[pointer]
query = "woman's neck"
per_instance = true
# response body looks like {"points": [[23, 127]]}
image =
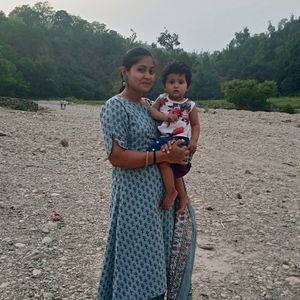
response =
{"points": [[132, 96]]}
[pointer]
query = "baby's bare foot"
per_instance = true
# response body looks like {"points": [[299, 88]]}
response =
{"points": [[183, 202], [168, 200]]}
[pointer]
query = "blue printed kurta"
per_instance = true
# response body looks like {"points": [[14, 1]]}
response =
{"points": [[140, 235]]}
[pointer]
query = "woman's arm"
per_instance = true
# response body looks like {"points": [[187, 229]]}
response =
{"points": [[131, 159]]}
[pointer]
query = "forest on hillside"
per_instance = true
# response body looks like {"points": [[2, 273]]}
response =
{"points": [[51, 54]]}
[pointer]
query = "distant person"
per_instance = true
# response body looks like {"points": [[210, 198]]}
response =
{"points": [[65, 104], [142, 260], [61, 104], [180, 121]]}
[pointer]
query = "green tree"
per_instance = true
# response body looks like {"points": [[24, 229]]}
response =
{"points": [[11, 82], [49, 53], [168, 40]]}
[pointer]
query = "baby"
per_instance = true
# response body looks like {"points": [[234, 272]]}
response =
{"points": [[179, 120]]}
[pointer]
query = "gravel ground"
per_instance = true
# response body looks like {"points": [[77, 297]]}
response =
{"points": [[244, 186]]}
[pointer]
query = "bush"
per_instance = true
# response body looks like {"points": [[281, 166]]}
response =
{"points": [[287, 109], [21, 106], [249, 94]]}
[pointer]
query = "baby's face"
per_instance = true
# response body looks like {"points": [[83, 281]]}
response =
{"points": [[176, 86]]}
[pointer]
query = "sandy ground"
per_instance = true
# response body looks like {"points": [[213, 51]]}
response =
{"points": [[244, 186]]}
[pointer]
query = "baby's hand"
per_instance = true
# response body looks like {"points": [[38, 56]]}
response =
{"points": [[171, 118], [192, 146]]}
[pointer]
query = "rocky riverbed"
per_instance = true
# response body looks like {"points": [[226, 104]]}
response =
{"points": [[55, 184]]}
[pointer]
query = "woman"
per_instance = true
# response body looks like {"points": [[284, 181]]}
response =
{"points": [[145, 246]]}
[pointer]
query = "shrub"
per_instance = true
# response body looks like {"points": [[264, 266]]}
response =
{"points": [[249, 94], [287, 109], [21, 106]]}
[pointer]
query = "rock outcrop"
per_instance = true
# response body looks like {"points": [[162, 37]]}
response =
{"points": [[17, 103]]}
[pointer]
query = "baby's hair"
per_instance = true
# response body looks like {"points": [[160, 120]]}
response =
{"points": [[132, 57], [180, 68]]}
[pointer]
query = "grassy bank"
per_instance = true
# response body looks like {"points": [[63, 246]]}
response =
{"points": [[87, 102], [218, 103], [294, 102], [280, 103]]}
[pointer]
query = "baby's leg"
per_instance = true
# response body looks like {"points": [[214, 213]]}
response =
{"points": [[170, 190], [182, 195]]}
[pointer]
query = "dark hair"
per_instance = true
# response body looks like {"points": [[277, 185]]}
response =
{"points": [[132, 57], [180, 68]]}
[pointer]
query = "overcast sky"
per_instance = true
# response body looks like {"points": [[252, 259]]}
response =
{"points": [[202, 25]]}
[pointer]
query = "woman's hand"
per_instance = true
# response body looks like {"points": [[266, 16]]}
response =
{"points": [[176, 154]]}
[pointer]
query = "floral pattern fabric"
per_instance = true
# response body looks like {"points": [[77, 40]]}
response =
{"points": [[139, 243], [182, 126], [182, 256]]}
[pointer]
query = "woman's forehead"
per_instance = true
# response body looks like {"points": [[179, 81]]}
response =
{"points": [[147, 61]]}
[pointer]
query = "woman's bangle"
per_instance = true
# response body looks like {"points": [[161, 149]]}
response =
{"points": [[154, 157], [146, 159]]}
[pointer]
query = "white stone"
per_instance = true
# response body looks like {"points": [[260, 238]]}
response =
{"points": [[55, 194], [293, 280], [4, 285], [36, 272], [46, 240]]}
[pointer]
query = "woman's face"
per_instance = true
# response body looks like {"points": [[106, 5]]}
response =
{"points": [[141, 76]]}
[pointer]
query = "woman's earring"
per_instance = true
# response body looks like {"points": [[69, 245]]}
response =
{"points": [[124, 81]]}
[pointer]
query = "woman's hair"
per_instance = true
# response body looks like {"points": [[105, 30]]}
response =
{"points": [[132, 57], [180, 68]]}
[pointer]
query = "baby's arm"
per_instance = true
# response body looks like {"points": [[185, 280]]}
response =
{"points": [[195, 125], [159, 116]]}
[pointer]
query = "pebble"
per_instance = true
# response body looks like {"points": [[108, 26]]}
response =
{"points": [[64, 142], [284, 266], [206, 247], [4, 285], [54, 195], [269, 287], [293, 280], [42, 150], [45, 229], [36, 255], [48, 296], [47, 240], [20, 245], [36, 272], [51, 225]]}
